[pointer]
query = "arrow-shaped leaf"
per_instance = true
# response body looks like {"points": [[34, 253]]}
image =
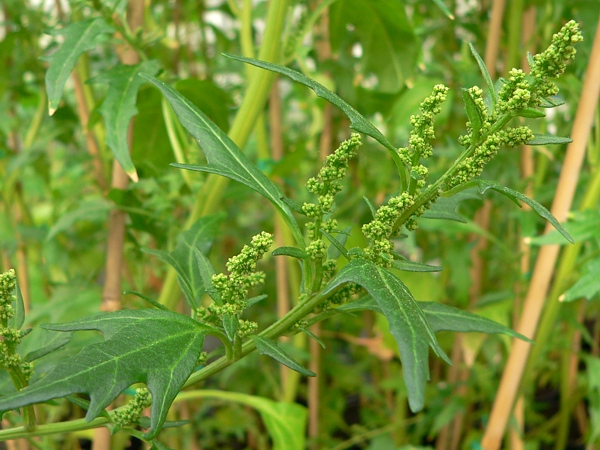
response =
{"points": [[119, 107], [223, 156], [156, 347], [79, 38], [407, 321]]}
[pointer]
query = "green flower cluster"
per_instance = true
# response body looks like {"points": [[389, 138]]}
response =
{"points": [[519, 92], [10, 337], [131, 413], [422, 134], [233, 289], [380, 230]]}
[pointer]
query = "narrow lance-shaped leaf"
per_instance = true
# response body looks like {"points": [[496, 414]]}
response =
{"points": [[151, 346], [119, 107], [517, 197], [407, 322], [79, 38], [474, 114], [485, 73], [357, 121], [267, 347], [223, 155], [548, 139]]}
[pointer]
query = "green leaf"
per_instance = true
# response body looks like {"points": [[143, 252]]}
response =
{"points": [[18, 319], [51, 341], [285, 422], [530, 113], [230, 324], [485, 73], [445, 207], [119, 107], [551, 102], [148, 299], [159, 348], [207, 271], [440, 4], [517, 197], [223, 156], [548, 139], [337, 244], [474, 114], [582, 226], [342, 238], [95, 210], [183, 259], [407, 322], [270, 348], [294, 252], [159, 446], [386, 35], [357, 121], [79, 38], [371, 206], [443, 318], [412, 266], [588, 286]]}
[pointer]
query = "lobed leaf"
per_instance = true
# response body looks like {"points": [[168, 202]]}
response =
{"points": [[119, 107], [151, 346], [266, 346], [223, 156], [407, 322], [79, 38]]}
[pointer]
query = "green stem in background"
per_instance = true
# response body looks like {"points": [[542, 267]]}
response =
{"points": [[209, 197], [34, 128], [170, 124], [515, 20]]}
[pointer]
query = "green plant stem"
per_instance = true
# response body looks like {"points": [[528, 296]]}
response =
{"points": [[34, 128], [275, 330], [209, 197], [53, 428], [433, 190], [169, 119], [515, 21]]}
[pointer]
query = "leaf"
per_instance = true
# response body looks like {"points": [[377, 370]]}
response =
{"points": [[517, 197], [313, 336], [207, 271], [530, 113], [285, 422], [336, 244], [148, 299], [18, 319], [588, 286], [230, 324], [370, 205], [51, 342], [183, 258], [95, 210], [440, 4], [412, 266], [445, 207], [485, 73], [582, 226], [407, 322], [294, 252], [159, 446], [548, 139], [255, 300], [270, 348], [333, 252], [551, 102], [79, 38], [357, 121], [152, 346], [443, 318], [119, 107], [223, 156], [474, 114]]}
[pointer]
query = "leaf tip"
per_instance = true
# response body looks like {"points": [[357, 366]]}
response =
{"points": [[51, 110], [134, 176]]}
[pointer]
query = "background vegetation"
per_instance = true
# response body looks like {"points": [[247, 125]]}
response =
{"points": [[76, 226]]}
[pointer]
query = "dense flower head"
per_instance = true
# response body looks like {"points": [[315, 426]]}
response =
{"points": [[131, 413], [552, 62]]}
